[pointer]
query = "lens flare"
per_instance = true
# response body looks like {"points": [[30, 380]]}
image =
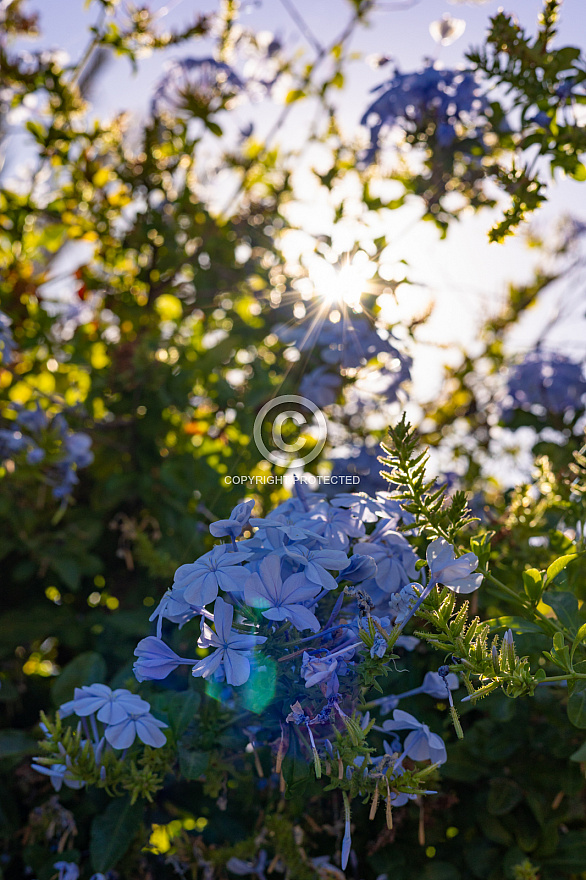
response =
{"points": [[342, 283]]}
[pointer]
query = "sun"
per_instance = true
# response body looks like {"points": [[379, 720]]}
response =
{"points": [[344, 282]]}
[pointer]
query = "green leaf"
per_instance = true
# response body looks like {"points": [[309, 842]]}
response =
{"points": [[518, 624], [558, 566], [296, 770], [533, 584], [113, 832], [580, 637], [577, 703], [503, 796], [192, 764], [17, 744], [565, 606], [181, 710], [580, 754], [87, 668], [68, 570]]}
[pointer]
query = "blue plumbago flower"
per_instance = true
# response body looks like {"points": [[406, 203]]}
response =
{"points": [[231, 647], [361, 568], [218, 569], [335, 525], [241, 868], [174, 608], [195, 85], [435, 685], [350, 343], [282, 600], [67, 870], [379, 647], [448, 99], [111, 706], [321, 386], [276, 527], [315, 563], [361, 504], [35, 455], [12, 442], [156, 660], [362, 462], [452, 572], [323, 671], [403, 602], [545, 381], [236, 522], [32, 420], [77, 446], [421, 744], [59, 774], [395, 561], [141, 724], [137, 722]]}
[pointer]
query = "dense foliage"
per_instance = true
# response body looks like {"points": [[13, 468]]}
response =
{"points": [[296, 705]]}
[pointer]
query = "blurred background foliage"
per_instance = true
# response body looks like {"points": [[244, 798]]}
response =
{"points": [[151, 304]]}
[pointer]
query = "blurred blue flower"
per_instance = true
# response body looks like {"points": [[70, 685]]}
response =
{"points": [[395, 561], [242, 868], [280, 600], [67, 870], [192, 86], [547, 381], [321, 386], [230, 647], [421, 744], [443, 98]]}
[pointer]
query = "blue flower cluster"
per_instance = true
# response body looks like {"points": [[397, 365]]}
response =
{"points": [[41, 439], [451, 100], [339, 570], [545, 382], [354, 346], [195, 84], [109, 720]]}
